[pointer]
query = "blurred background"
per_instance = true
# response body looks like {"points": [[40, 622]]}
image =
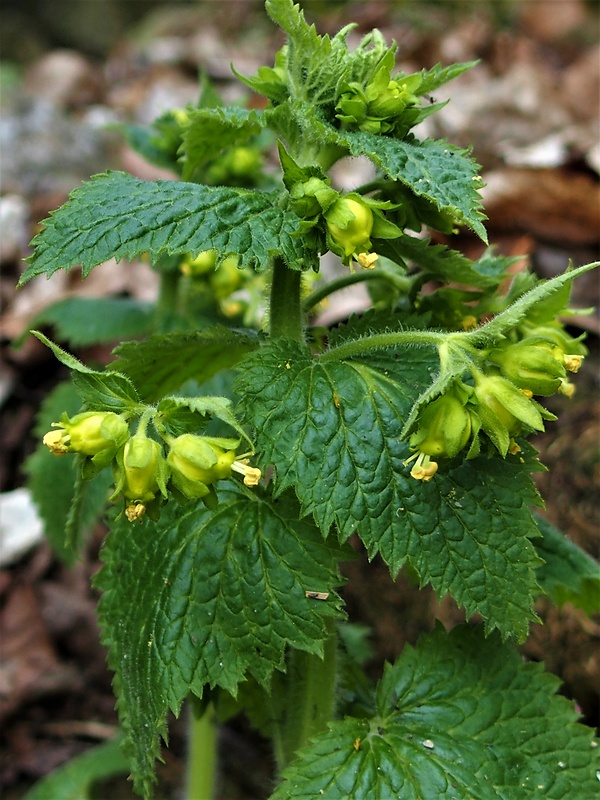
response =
{"points": [[70, 72]]}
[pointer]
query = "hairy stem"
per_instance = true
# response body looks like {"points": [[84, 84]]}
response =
{"points": [[285, 311], [378, 341], [202, 754], [319, 294], [308, 698], [168, 296]]}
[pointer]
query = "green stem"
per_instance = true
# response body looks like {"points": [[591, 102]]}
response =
{"points": [[404, 284], [308, 697], [285, 312], [168, 294], [202, 754], [378, 341], [372, 186]]}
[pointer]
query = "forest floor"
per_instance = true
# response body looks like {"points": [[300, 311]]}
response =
{"points": [[530, 109]]}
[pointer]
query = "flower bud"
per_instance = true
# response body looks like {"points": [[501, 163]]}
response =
{"points": [[503, 410], [535, 364], [444, 429], [196, 463], [204, 262], [312, 197], [349, 224], [91, 433], [142, 470]]}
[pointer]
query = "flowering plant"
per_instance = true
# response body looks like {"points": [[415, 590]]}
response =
{"points": [[404, 428]]}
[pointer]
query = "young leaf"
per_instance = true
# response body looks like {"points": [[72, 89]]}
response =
{"points": [[101, 391], [54, 482], [434, 169], [332, 429], [526, 303], [439, 171], [569, 574], [211, 407], [82, 321], [118, 216], [438, 75], [314, 63], [75, 779], [164, 362], [231, 582], [458, 716], [212, 130], [441, 262]]}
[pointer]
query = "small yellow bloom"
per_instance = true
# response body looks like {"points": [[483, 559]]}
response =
{"points": [[252, 475], [367, 260], [424, 468], [567, 388], [57, 442], [573, 362], [135, 511]]}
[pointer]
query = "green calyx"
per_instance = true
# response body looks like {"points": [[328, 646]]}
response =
{"points": [[97, 434], [312, 197], [140, 473], [444, 429], [383, 105], [535, 364], [349, 225], [504, 409], [196, 462]]}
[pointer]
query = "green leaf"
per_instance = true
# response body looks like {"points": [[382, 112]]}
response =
{"points": [[212, 407], [208, 597], [434, 169], [438, 75], [314, 63], [75, 779], [54, 482], [527, 303], [101, 391], [458, 716], [147, 142], [569, 574], [212, 130], [441, 262], [331, 430], [118, 216], [164, 362], [82, 321]]}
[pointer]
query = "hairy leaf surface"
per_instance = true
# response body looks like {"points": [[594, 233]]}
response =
{"points": [[458, 716], [206, 598], [81, 321], [118, 216], [436, 170], [569, 574], [164, 362], [212, 130], [332, 431]]}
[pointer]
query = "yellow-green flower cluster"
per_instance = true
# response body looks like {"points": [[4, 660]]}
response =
{"points": [[500, 403], [146, 469]]}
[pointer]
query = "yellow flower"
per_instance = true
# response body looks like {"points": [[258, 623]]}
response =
{"points": [[252, 475], [57, 442], [367, 260], [424, 468]]}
